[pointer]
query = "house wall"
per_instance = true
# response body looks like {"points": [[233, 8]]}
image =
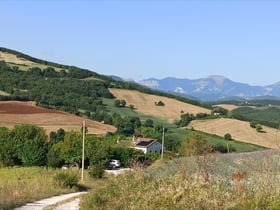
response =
{"points": [[141, 148], [156, 147]]}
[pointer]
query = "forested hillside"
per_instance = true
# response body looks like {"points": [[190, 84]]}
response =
{"points": [[269, 116], [68, 88]]}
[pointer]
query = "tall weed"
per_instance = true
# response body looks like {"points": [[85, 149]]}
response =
{"points": [[209, 182]]}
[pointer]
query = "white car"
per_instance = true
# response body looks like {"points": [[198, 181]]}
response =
{"points": [[114, 163]]}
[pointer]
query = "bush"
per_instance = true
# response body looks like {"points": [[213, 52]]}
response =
{"points": [[253, 124], [66, 179], [159, 103], [97, 170], [223, 148], [259, 128], [195, 144], [227, 136]]}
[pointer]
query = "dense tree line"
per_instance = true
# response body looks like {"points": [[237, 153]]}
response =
{"points": [[269, 116], [28, 145], [52, 89]]}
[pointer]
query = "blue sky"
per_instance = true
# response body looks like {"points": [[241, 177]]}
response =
{"points": [[143, 39]]}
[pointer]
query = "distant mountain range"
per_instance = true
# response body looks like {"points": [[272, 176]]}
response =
{"points": [[213, 88]]}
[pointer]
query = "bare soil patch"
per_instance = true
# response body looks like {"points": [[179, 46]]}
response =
{"points": [[239, 130], [145, 103], [15, 112]]}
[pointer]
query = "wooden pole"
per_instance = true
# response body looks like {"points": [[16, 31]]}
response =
{"points": [[83, 152], [162, 143]]}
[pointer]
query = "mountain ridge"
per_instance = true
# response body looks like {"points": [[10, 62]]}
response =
{"points": [[212, 88]]}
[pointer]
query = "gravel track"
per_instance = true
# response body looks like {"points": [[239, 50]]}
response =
{"points": [[40, 205]]}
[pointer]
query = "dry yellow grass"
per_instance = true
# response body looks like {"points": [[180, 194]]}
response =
{"points": [[229, 107], [22, 63], [239, 130], [145, 103], [3, 93], [11, 58]]}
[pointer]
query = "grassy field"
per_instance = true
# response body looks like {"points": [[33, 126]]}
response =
{"points": [[20, 185], [236, 181]]}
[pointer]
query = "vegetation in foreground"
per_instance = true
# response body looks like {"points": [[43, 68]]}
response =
{"points": [[20, 185], [243, 181]]}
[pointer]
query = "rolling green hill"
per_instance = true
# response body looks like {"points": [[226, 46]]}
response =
{"points": [[83, 92]]}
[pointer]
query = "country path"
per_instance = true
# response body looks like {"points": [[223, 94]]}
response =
{"points": [[45, 203]]}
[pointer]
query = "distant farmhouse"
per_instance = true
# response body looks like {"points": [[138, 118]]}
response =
{"points": [[147, 145]]}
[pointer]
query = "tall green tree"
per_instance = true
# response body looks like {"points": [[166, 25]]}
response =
{"points": [[71, 147], [8, 151], [31, 144]]}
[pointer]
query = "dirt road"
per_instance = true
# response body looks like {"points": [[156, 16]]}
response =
{"points": [[40, 205]]}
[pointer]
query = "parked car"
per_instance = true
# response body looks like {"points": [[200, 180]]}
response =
{"points": [[114, 164], [65, 167]]}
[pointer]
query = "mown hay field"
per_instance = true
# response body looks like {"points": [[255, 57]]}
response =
{"points": [[229, 107], [145, 103], [15, 112], [22, 63], [239, 130]]}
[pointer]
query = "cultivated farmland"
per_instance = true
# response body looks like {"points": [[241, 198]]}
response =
{"points": [[145, 103], [15, 112], [239, 130]]}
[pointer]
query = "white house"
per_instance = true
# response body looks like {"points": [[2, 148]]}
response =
{"points": [[148, 145]]}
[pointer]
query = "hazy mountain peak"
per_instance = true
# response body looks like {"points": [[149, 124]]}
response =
{"points": [[153, 83], [219, 80], [214, 87]]}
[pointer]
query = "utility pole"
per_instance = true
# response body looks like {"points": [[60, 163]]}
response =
{"points": [[83, 153], [162, 143]]}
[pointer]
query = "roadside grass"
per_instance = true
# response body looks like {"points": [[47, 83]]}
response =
{"points": [[235, 181], [20, 185]]}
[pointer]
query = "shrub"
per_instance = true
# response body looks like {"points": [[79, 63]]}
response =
{"points": [[195, 144], [66, 179], [223, 148], [253, 124], [259, 128], [159, 103], [97, 170], [227, 136]]}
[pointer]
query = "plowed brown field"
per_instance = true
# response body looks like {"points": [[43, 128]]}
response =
{"points": [[239, 130], [145, 103], [15, 112]]}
